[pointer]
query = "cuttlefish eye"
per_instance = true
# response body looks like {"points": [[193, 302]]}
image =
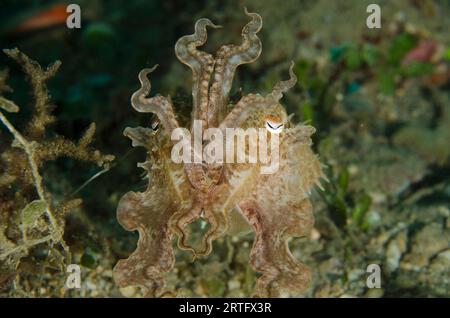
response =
{"points": [[155, 124], [274, 124]]}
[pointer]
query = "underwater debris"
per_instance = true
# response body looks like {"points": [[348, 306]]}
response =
{"points": [[29, 214], [423, 52], [277, 206]]}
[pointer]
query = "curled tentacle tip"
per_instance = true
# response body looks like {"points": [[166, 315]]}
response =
{"points": [[151, 69], [291, 71], [144, 72], [216, 26], [284, 86], [256, 22], [204, 22], [213, 25], [249, 13], [292, 77]]}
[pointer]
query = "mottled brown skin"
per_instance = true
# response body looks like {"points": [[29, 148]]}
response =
{"points": [[276, 205]]}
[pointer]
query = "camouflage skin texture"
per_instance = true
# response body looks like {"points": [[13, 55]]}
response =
{"points": [[275, 205]]}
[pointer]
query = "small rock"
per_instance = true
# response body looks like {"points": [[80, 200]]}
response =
{"points": [[129, 291], [427, 243], [315, 234], [375, 293], [395, 250]]}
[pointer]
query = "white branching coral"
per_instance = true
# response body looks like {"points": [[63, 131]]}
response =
{"points": [[28, 213]]}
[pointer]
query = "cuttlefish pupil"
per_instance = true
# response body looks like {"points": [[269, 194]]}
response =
{"points": [[155, 124], [274, 124]]}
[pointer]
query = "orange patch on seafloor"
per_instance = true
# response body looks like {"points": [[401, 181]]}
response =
{"points": [[53, 16]]}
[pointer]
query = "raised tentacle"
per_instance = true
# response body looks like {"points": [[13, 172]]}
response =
{"points": [[228, 58], [159, 105], [284, 86], [251, 102], [243, 109], [201, 63]]}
